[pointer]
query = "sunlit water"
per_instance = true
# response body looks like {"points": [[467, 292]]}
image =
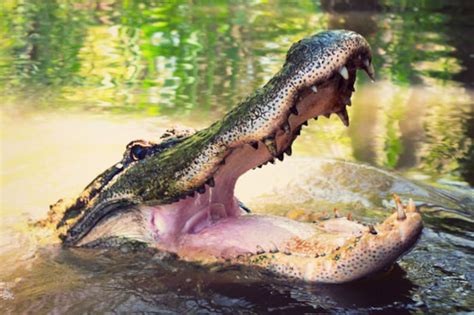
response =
{"points": [[79, 81]]}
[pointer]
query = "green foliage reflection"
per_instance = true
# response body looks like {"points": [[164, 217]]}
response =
{"points": [[195, 60]]}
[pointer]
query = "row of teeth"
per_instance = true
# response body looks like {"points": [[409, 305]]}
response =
{"points": [[401, 215], [270, 142]]}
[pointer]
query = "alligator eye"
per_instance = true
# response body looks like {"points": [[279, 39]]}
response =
{"points": [[137, 152]]}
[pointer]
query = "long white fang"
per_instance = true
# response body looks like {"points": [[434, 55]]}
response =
{"points": [[344, 73], [314, 88]]}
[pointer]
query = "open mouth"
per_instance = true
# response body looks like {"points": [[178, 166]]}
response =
{"points": [[178, 195], [214, 201]]}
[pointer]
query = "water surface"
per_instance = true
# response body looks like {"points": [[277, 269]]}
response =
{"points": [[78, 81]]}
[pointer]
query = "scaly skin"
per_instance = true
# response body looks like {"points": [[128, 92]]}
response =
{"points": [[179, 191]]}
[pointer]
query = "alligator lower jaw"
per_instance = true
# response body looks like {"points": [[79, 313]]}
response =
{"points": [[331, 251]]}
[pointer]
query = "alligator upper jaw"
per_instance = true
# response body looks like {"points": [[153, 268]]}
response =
{"points": [[214, 199]]}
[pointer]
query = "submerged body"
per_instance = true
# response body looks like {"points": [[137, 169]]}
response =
{"points": [[178, 195]]}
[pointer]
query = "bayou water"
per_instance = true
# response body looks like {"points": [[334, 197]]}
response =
{"points": [[79, 80]]}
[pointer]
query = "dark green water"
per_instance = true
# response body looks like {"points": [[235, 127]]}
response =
{"points": [[79, 80]]}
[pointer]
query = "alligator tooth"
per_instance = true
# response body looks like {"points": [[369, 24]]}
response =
{"points": [[254, 145], [314, 88], [344, 73], [271, 145], [274, 249], [344, 116], [411, 206], [372, 230], [369, 69], [336, 213], [400, 212], [288, 151], [286, 127], [294, 110], [201, 189], [211, 182], [281, 156], [401, 215]]}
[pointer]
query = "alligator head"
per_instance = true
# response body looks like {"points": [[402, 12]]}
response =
{"points": [[178, 194]]}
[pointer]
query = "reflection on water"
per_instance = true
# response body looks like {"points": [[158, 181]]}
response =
{"points": [[79, 80]]}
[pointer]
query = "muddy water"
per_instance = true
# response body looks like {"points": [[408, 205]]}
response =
{"points": [[78, 82]]}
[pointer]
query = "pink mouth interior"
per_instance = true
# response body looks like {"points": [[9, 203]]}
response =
{"points": [[212, 222]]}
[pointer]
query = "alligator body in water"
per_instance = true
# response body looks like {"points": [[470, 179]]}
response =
{"points": [[178, 194]]}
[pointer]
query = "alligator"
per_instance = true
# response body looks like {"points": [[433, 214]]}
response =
{"points": [[177, 194]]}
